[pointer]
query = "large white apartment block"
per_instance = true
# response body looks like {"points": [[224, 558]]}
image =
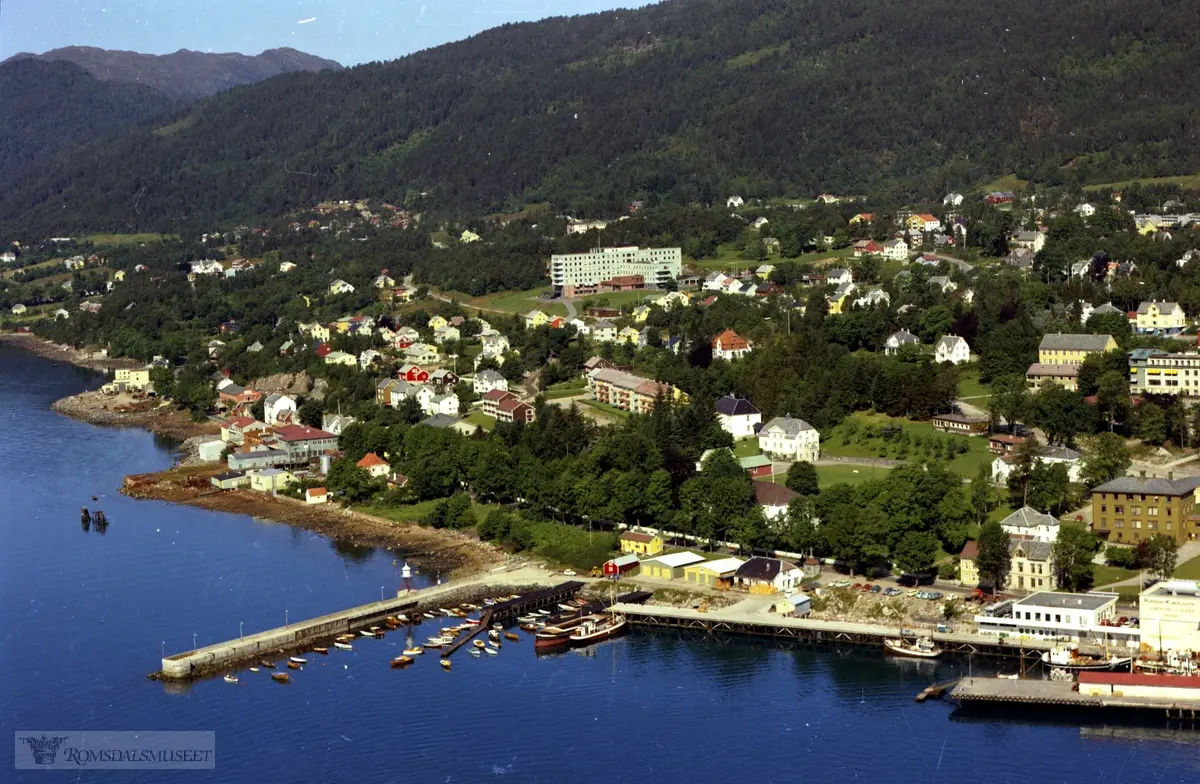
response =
{"points": [[580, 274]]}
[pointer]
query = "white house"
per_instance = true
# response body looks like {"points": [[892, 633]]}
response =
{"points": [[1072, 616], [340, 286], [897, 339], [761, 572], [604, 331], [487, 380], [717, 281], [944, 283], [895, 250], [443, 404], [279, 409], [1002, 467], [340, 358], [368, 357], [735, 201], [773, 497], [1029, 522], [1085, 209], [336, 423], [737, 416], [287, 266], [839, 276], [872, 297], [18, 309], [421, 354], [495, 345], [374, 465], [784, 438], [445, 334], [383, 281], [953, 200], [952, 349], [729, 345]]}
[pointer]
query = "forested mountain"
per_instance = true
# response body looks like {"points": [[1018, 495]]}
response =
{"points": [[183, 74], [55, 105], [683, 101]]}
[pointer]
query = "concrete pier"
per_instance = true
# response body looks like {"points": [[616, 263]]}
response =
{"points": [[999, 691], [296, 636]]}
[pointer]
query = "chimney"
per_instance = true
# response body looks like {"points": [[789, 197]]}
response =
{"points": [[1171, 475]]}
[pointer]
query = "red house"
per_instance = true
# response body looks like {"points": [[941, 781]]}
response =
{"points": [[493, 399], [323, 350], [413, 374], [866, 248], [513, 410]]}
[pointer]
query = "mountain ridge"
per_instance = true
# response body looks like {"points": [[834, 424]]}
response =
{"points": [[185, 73], [683, 101]]}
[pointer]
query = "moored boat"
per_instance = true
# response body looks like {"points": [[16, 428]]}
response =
{"points": [[253, 669], [479, 643], [231, 679], [298, 660], [511, 636], [322, 650], [344, 646], [281, 677], [270, 665], [595, 629], [1068, 657], [293, 665], [401, 661], [492, 651], [413, 651], [921, 648], [366, 633], [560, 634], [445, 664], [429, 615]]}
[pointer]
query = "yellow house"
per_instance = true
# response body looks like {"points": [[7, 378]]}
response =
{"points": [[468, 236], [669, 566], [839, 301], [133, 379], [674, 299], [641, 544], [535, 318], [437, 322], [629, 335], [119, 275], [1160, 318], [315, 331], [714, 574], [269, 480], [640, 313], [1060, 349], [968, 572], [1147, 227], [862, 217]]}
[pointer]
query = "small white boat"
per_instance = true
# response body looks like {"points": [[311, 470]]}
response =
{"points": [[528, 619], [488, 602], [446, 612], [493, 644], [429, 615], [298, 660], [491, 651], [413, 651], [493, 634], [471, 622], [498, 627], [367, 633], [344, 646], [445, 664], [475, 652], [922, 648], [542, 613], [402, 618], [231, 679], [568, 607], [253, 669], [470, 606]]}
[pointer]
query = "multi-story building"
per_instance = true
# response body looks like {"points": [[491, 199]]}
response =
{"points": [[1159, 318], [1066, 376], [790, 439], [1060, 349], [1169, 615], [1160, 372], [737, 416], [655, 265], [1080, 617], [1130, 509], [627, 391], [302, 443]]}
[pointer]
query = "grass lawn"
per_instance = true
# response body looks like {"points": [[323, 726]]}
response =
{"points": [[729, 255], [618, 299], [40, 265], [828, 475], [1104, 575], [966, 464], [1127, 593], [1189, 570], [576, 386], [970, 386], [1009, 182], [1186, 181], [123, 239], [746, 447], [610, 412], [482, 420], [411, 513], [519, 302]]}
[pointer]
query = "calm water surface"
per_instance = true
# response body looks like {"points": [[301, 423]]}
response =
{"points": [[86, 616]]}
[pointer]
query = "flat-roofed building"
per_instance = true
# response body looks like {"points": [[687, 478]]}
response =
{"points": [[1160, 372], [655, 266], [1078, 617], [1169, 616], [669, 566]]}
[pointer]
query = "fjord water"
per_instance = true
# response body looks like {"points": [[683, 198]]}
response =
{"points": [[86, 616]]}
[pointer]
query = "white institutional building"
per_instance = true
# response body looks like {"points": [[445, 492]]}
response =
{"points": [[579, 274]]}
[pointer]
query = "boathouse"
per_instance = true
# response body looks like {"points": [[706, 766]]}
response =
{"points": [[714, 574]]}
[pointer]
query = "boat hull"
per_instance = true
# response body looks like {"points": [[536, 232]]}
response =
{"points": [[1098, 666], [896, 648]]}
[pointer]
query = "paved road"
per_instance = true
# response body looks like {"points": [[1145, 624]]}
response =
{"points": [[1187, 551], [570, 306]]}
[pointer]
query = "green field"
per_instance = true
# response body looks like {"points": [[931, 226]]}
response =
{"points": [[729, 255], [411, 513], [848, 474], [746, 447], [966, 464], [1009, 182], [123, 239], [970, 386], [576, 386], [482, 420], [1105, 575], [1189, 570], [610, 412], [618, 299], [8, 273], [1185, 181]]}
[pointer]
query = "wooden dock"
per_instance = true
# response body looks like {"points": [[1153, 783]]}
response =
{"points": [[937, 690], [1061, 694]]}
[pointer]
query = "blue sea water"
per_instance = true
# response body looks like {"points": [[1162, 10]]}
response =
{"points": [[86, 616]]}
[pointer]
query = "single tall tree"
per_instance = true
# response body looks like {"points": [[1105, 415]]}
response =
{"points": [[1162, 553], [1072, 554], [994, 560], [802, 478], [1107, 459]]}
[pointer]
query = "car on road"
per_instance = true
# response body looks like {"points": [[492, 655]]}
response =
{"points": [[892, 592], [840, 584]]}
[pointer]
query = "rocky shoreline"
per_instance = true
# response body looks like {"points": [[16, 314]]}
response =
{"points": [[458, 553], [80, 357], [156, 416]]}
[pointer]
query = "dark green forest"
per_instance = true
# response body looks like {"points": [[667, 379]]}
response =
{"points": [[681, 102]]}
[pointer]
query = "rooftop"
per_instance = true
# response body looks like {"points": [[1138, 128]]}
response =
{"points": [[723, 565], [1067, 601], [1150, 485], [1061, 342], [735, 406], [676, 560], [301, 433]]}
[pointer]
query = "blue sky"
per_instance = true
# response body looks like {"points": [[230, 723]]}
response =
{"points": [[349, 31]]}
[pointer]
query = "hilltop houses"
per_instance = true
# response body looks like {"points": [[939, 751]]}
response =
{"points": [[730, 345], [737, 416], [785, 438], [899, 339], [952, 349]]}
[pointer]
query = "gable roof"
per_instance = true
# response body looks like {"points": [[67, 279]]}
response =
{"points": [[735, 406], [949, 342], [1153, 485], [1028, 517], [1165, 308], [676, 560], [773, 494], [636, 536], [1033, 550], [1062, 342], [903, 337], [763, 568], [790, 427], [722, 565], [730, 341], [370, 459]]}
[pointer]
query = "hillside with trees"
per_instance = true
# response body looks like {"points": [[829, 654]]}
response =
{"points": [[681, 102]]}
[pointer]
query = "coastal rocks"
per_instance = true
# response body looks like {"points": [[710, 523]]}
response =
{"points": [[284, 384], [123, 411]]}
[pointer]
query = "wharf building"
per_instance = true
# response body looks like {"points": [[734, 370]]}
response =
{"points": [[582, 274]]}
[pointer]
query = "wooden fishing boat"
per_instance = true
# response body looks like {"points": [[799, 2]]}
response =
{"points": [[1068, 657], [321, 650], [270, 665], [445, 664], [281, 677], [298, 659], [528, 618], [479, 643], [293, 666], [343, 646], [511, 636], [345, 638], [402, 661], [921, 648], [598, 628], [559, 634], [231, 679], [413, 651]]}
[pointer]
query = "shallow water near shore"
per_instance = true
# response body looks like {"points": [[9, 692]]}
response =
{"points": [[86, 617]]}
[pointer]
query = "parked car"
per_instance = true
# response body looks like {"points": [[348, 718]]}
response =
{"points": [[892, 592], [876, 588], [944, 629]]}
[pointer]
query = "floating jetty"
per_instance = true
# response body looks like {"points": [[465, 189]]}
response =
{"points": [[1063, 694]]}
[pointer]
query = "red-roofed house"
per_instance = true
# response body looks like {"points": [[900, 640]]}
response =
{"points": [[375, 465], [730, 345], [324, 350], [493, 399], [513, 410], [235, 429], [301, 442], [867, 248], [316, 495], [413, 374]]}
